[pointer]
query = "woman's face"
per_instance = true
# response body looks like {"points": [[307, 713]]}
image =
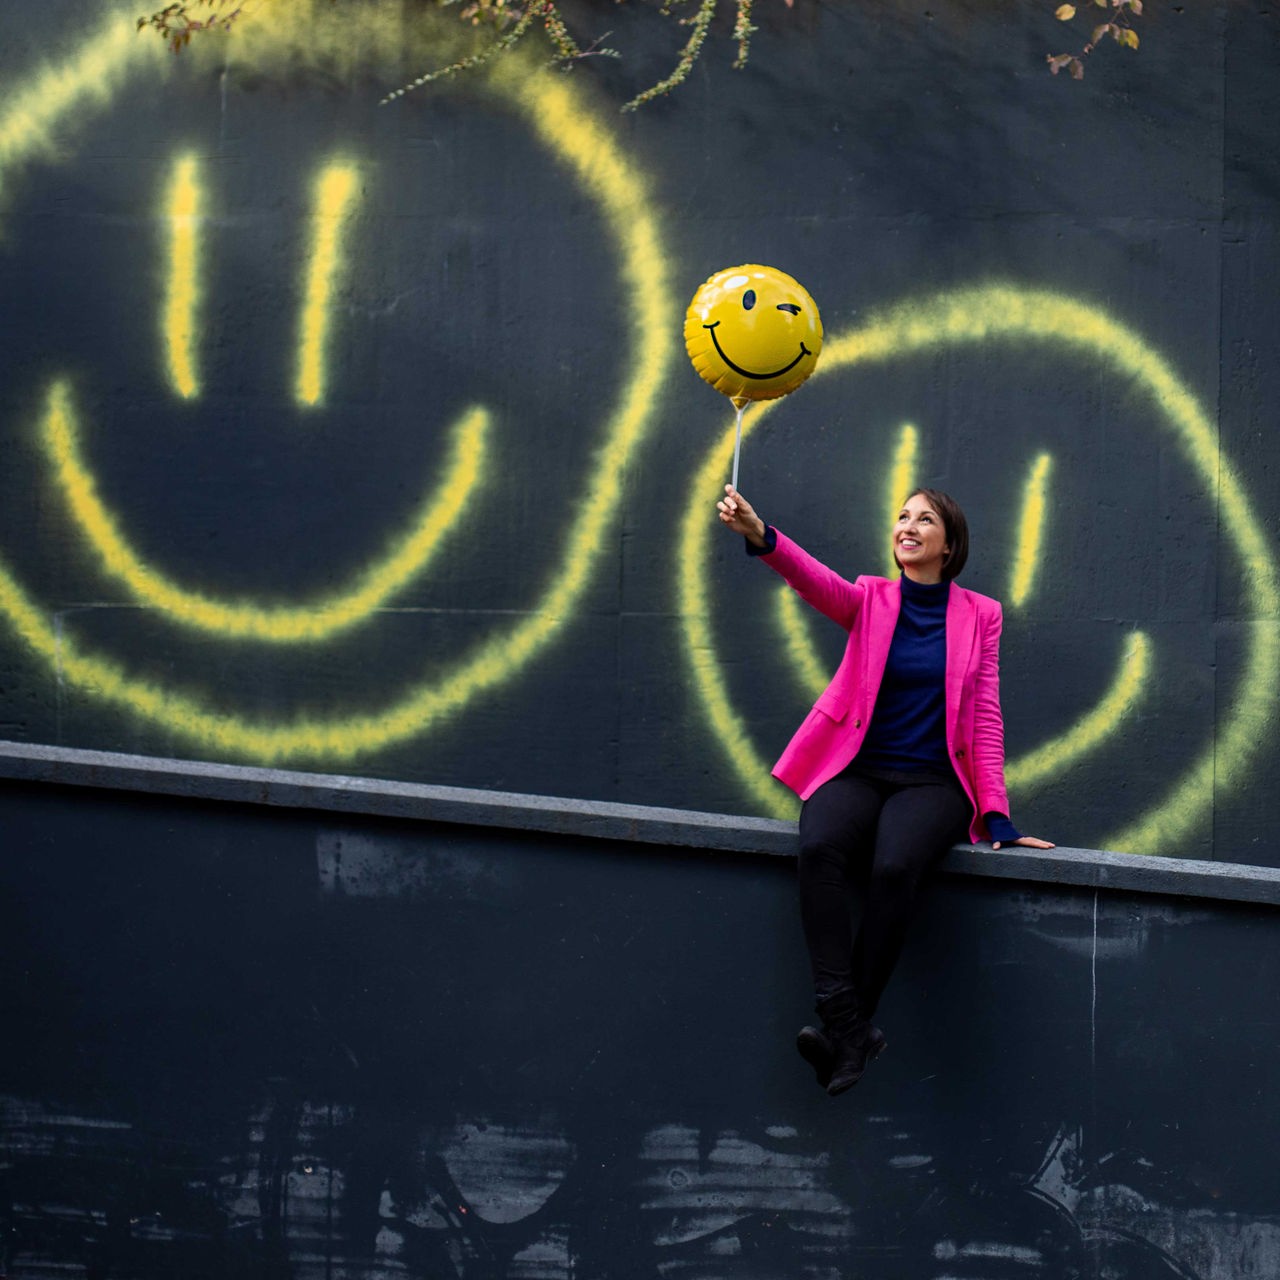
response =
{"points": [[920, 540]]}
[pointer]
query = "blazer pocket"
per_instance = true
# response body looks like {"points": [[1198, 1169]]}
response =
{"points": [[834, 705]]}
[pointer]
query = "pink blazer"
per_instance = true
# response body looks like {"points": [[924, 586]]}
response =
{"points": [[833, 732]]}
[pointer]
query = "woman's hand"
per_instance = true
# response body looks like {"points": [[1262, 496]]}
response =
{"points": [[737, 513], [1030, 841]]}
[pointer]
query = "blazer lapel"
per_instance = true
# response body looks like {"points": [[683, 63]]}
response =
{"points": [[961, 632], [883, 620]]}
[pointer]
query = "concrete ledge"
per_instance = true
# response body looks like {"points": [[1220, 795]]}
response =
{"points": [[643, 824]]}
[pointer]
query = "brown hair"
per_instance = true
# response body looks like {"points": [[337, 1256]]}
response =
{"points": [[954, 527]]}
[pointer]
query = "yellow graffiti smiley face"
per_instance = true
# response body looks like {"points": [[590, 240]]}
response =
{"points": [[1011, 318], [239, 627], [753, 333]]}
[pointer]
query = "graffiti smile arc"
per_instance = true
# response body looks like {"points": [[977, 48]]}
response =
{"points": [[746, 373]]}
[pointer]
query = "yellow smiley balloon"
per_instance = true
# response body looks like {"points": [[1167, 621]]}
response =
{"points": [[753, 333]]}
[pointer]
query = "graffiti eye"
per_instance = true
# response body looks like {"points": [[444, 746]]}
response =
{"points": [[749, 299], [789, 306]]}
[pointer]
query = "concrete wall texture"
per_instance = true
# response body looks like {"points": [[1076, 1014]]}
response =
{"points": [[245, 1041], [360, 438]]}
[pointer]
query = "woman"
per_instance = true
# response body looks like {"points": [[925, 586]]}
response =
{"points": [[901, 756]]}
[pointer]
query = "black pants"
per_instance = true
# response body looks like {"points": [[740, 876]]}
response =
{"points": [[883, 831]]}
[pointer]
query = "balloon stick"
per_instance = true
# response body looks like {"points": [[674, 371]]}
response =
{"points": [[737, 444]]}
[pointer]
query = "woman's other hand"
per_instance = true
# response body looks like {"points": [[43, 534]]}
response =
{"points": [[1030, 841], [738, 514]]}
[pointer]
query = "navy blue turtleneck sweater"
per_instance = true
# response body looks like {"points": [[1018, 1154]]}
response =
{"points": [[908, 729]]}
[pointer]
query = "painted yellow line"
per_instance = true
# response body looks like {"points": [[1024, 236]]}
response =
{"points": [[902, 478], [334, 194], [1026, 557], [1093, 728], [182, 291], [70, 91], [982, 316], [311, 621], [723, 723], [804, 658]]}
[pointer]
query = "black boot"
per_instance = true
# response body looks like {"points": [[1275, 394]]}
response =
{"points": [[854, 1041], [814, 1047]]}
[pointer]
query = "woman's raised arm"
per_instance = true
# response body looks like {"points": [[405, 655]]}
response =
{"points": [[819, 586]]}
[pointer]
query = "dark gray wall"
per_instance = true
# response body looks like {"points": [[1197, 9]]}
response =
{"points": [[242, 1040], [886, 156]]}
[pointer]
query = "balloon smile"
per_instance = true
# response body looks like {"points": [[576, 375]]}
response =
{"points": [[746, 373]]}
